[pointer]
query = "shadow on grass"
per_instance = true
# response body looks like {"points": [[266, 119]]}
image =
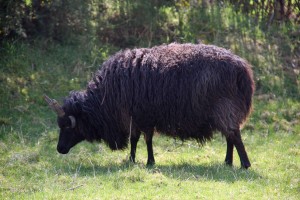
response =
{"points": [[214, 171], [182, 172]]}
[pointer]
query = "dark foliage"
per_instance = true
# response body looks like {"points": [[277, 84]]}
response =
{"points": [[52, 19], [279, 10], [126, 23]]}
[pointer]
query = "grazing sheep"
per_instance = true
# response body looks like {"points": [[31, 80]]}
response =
{"points": [[187, 91]]}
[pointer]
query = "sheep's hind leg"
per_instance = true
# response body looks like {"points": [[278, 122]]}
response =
{"points": [[236, 139], [133, 141], [229, 152], [148, 139]]}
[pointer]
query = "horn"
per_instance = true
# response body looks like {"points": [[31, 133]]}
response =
{"points": [[73, 121], [54, 105]]}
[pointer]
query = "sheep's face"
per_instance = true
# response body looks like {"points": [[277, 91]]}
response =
{"points": [[69, 134]]}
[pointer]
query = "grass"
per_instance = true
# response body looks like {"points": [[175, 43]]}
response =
{"points": [[183, 171], [32, 169]]}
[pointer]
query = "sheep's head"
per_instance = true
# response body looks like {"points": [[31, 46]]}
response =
{"points": [[69, 135]]}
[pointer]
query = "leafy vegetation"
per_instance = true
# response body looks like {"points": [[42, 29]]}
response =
{"points": [[56, 64]]}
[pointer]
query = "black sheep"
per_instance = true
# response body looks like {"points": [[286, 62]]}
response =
{"points": [[180, 90]]}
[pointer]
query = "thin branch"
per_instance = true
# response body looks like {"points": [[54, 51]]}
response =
{"points": [[73, 188]]}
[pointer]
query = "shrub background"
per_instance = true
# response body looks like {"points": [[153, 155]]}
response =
{"points": [[52, 47]]}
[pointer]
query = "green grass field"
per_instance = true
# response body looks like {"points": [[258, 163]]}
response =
{"points": [[31, 168]]}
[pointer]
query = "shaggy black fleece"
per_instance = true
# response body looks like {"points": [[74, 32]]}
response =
{"points": [[181, 90]]}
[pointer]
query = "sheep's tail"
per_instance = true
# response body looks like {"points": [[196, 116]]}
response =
{"points": [[246, 88]]}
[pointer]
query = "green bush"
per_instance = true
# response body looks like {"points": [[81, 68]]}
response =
{"points": [[39, 18]]}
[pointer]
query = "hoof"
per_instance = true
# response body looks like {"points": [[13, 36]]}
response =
{"points": [[245, 165], [228, 163], [150, 163], [131, 159]]}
